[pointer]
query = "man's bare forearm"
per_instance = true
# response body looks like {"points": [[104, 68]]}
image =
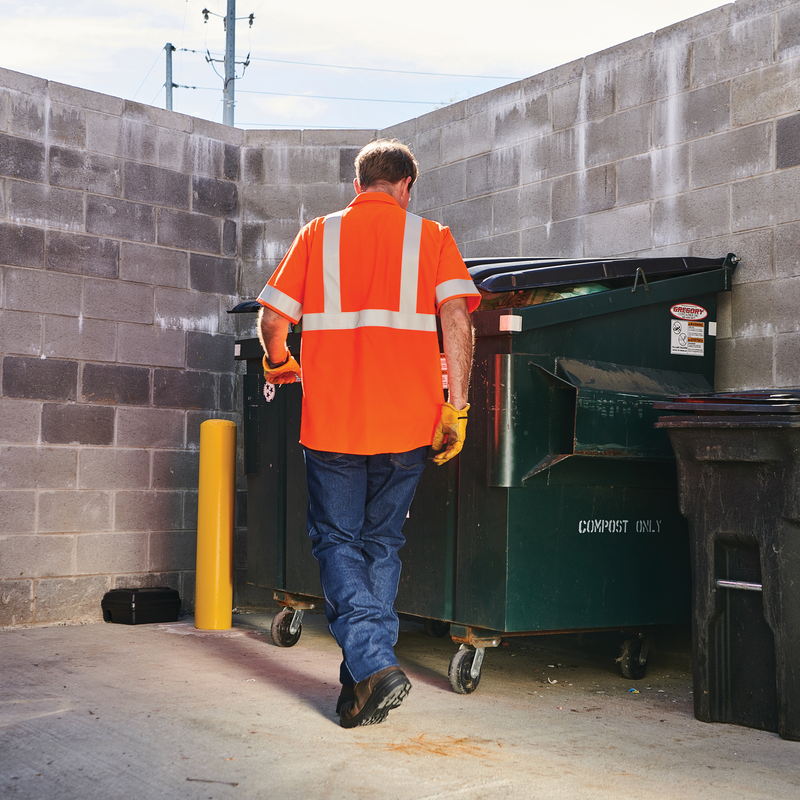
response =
{"points": [[272, 332], [458, 347]]}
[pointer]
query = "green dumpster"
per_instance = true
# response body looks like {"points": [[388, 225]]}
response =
{"points": [[561, 513]]}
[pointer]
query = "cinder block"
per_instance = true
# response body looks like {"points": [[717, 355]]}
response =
{"points": [[347, 167], [441, 116], [141, 112], [174, 150], [428, 150], [557, 154], [743, 364], [150, 427], [690, 115], [38, 467], [494, 171], [190, 510], [173, 388], [467, 137], [174, 550], [255, 275], [19, 421], [724, 316], [82, 255], [17, 515], [768, 93], [188, 231], [744, 47], [787, 250], [441, 187], [39, 379], [140, 141], [694, 27], [230, 162], [156, 266], [212, 274], [788, 35], [67, 125], [301, 165], [656, 74], [524, 207], [204, 128], [151, 346], [584, 192], [755, 248], [787, 361], [209, 352], [765, 309], [215, 198], [147, 579], [27, 115], [230, 238], [20, 333], [194, 419], [659, 173], [736, 154], [118, 301], [74, 512], [521, 120], [183, 310], [163, 187], [148, 511], [624, 134], [787, 145], [188, 587], [321, 199], [83, 98], [3, 110], [77, 424], [356, 137], [591, 97], [21, 246], [114, 384], [176, 469], [700, 214], [59, 599], [111, 552], [766, 200], [120, 219], [617, 232], [113, 468], [16, 602], [36, 290], [252, 166], [37, 203], [556, 240], [227, 388], [84, 339], [508, 244], [22, 158], [265, 204], [471, 219]]}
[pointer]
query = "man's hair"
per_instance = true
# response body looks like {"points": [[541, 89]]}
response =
{"points": [[385, 160]]}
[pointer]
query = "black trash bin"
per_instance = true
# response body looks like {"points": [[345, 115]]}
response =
{"points": [[738, 459]]}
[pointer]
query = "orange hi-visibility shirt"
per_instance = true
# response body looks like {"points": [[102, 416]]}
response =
{"points": [[368, 283]]}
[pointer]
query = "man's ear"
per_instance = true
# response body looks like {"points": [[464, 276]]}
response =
{"points": [[357, 186]]}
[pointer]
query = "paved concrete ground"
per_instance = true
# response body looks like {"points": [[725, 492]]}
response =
{"points": [[163, 711]]}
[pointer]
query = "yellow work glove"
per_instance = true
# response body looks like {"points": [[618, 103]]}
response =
{"points": [[287, 372], [451, 430]]}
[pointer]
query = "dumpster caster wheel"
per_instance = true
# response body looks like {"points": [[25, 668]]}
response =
{"points": [[283, 623], [633, 659], [437, 628], [464, 678]]}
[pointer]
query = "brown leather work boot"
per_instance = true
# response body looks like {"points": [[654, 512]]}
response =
{"points": [[375, 697]]}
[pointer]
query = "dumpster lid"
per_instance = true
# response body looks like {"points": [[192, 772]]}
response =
{"points": [[505, 274], [761, 401]]}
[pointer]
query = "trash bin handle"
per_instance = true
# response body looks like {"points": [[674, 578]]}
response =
{"points": [[640, 271]]}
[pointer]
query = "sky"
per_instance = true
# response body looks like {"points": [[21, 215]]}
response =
{"points": [[316, 63]]}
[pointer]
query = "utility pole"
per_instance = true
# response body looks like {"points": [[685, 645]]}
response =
{"points": [[230, 63], [169, 84]]}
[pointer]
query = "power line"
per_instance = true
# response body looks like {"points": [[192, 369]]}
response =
{"points": [[325, 97], [376, 69], [147, 76]]}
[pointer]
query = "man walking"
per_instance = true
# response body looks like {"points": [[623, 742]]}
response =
{"points": [[368, 283]]}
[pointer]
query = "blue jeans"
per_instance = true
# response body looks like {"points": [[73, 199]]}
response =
{"points": [[356, 509]]}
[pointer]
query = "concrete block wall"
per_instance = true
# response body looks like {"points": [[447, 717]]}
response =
{"points": [[119, 236], [685, 142]]}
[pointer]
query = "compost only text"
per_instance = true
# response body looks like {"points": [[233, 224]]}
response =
{"points": [[618, 526]]}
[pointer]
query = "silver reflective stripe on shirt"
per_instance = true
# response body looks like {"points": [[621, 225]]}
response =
{"points": [[281, 302], [454, 288], [406, 318]]}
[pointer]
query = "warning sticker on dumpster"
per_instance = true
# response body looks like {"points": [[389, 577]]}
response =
{"points": [[687, 337]]}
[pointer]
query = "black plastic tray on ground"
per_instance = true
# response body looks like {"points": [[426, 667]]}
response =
{"points": [[141, 606]]}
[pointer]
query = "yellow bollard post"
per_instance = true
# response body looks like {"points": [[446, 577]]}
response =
{"points": [[213, 603]]}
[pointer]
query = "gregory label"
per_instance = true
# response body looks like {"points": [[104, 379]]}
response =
{"points": [[688, 311], [687, 338]]}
